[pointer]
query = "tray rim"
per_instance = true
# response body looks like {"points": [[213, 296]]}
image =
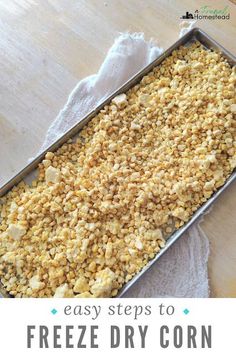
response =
{"points": [[195, 34]]}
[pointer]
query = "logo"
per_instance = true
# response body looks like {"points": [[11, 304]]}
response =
{"points": [[207, 13], [188, 16]]}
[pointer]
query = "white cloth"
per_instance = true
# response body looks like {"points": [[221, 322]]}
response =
{"points": [[186, 26], [182, 270], [128, 55]]}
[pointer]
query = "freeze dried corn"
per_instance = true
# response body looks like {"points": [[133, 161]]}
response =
{"points": [[102, 206]]}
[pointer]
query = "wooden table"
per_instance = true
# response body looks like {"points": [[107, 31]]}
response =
{"points": [[47, 46]]}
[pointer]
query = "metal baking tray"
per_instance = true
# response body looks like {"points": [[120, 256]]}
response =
{"points": [[195, 34]]}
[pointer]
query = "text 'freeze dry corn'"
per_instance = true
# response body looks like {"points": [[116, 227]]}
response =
{"points": [[103, 205]]}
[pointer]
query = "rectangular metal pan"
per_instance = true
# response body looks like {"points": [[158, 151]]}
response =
{"points": [[195, 34]]}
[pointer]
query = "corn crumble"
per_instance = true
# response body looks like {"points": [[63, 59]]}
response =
{"points": [[103, 205]]}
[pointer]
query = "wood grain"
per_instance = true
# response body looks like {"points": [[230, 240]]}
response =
{"points": [[47, 46]]}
